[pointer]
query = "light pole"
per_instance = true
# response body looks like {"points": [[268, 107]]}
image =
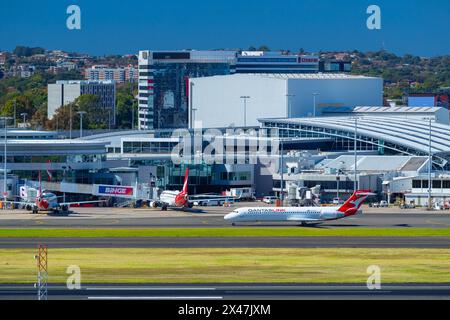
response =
{"points": [[70, 122], [245, 98], [15, 108], [280, 141], [430, 164], [132, 117], [191, 102], [315, 94], [81, 113], [338, 178], [356, 155], [289, 105], [24, 115], [193, 117], [5, 175]]}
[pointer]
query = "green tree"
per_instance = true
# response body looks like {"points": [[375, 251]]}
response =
{"points": [[126, 104]]}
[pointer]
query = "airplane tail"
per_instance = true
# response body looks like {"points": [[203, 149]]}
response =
{"points": [[352, 205], [40, 184], [185, 184]]}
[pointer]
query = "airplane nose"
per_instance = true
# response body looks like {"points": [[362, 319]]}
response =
{"points": [[230, 216]]}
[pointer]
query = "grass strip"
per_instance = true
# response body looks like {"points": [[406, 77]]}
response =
{"points": [[225, 232], [133, 266]]}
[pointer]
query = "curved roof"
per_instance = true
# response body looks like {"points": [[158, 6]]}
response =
{"points": [[411, 133]]}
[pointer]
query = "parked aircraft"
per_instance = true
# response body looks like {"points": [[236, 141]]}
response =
{"points": [[38, 200]]}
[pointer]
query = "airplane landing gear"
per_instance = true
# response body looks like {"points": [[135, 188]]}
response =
{"points": [[164, 208]]}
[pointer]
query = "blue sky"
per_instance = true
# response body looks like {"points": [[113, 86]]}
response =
{"points": [[419, 27]]}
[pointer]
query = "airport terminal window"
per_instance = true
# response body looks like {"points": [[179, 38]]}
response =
{"points": [[87, 158], [417, 184], [437, 184], [446, 184], [424, 183]]}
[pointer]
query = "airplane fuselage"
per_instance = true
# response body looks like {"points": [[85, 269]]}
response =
{"points": [[173, 199], [285, 214]]}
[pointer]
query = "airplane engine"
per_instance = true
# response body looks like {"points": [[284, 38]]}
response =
{"points": [[153, 204]]}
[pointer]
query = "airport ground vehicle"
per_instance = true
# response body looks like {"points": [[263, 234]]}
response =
{"points": [[303, 215], [407, 206], [270, 199]]}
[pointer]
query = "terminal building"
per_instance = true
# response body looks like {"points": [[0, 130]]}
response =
{"points": [[69, 161], [392, 156], [405, 134], [241, 99]]}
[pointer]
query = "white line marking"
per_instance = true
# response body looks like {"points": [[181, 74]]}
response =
{"points": [[155, 298], [148, 288]]}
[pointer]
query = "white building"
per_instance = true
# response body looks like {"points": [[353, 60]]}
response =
{"points": [[64, 92], [218, 101]]}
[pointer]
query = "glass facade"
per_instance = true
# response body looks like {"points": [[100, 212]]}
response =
{"points": [[171, 90]]}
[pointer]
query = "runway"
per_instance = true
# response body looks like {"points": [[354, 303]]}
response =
{"points": [[230, 242], [114, 218], [231, 292]]}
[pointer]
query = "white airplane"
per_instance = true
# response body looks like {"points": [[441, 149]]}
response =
{"points": [[303, 215], [181, 199], [174, 199], [38, 200]]}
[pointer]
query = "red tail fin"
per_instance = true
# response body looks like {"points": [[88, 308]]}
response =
{"points": [[40, 184], [352, 205], [185, 184]]}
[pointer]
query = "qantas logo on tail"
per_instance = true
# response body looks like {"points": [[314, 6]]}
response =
{"points": [[185, 184], [352, 205]]}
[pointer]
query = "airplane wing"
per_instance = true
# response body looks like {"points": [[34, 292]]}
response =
{"points": [[199, 198], [298, 219], [18, 202], [80, 202]]}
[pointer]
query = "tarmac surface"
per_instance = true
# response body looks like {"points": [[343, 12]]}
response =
{"points": [[230, 242], [212, 217], [209, 217], [231, 292]]}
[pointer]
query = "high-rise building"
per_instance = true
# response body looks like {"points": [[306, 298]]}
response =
{"points": [[275, 62], [64, 92], [164, 83]]}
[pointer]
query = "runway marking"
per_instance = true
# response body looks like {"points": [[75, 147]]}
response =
{"points": [[149, 288], [156, 298], [437, 223]]}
